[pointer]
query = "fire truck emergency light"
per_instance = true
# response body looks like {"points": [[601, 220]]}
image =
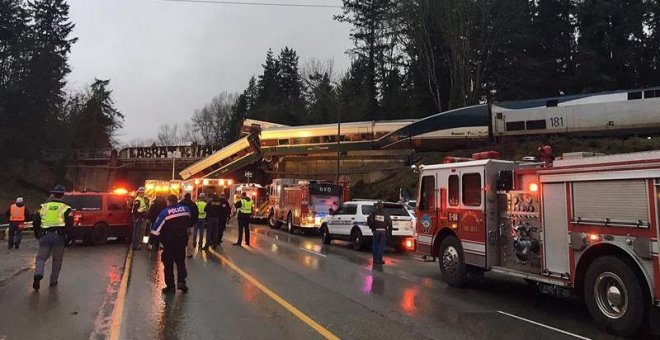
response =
{"points": [[120, 191], [533, 187], [221, 182], [206, 182], [196, 182]]}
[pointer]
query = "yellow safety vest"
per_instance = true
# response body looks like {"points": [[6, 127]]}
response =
{"points": [[143, 204], [52, 214], [201, 205], [246, 207]]}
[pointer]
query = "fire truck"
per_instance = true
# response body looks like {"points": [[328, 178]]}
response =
{"points": [[585, 224], [157, 187], [259, 196], [208, 186], [303, 204]]}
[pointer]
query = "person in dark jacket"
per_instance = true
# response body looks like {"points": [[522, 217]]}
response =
{"points": [[380, 224], [218, 212], [156, 207], [17, 214], [172, 227], [194, 216]]}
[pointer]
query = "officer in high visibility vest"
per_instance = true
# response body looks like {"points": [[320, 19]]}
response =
{"points": [[201, 221], [17, 214], [244, 207], [53, 227], [140, 209]]}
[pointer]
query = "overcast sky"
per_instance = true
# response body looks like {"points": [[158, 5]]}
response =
{"points": [[165, 59]]}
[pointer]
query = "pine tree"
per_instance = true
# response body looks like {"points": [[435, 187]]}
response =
{"points": [[266, 103], [97, 118], [291, 101], [322, 100], [48, 66]]}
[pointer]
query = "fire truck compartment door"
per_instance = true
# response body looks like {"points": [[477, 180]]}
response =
{"points": [[555, 228]]}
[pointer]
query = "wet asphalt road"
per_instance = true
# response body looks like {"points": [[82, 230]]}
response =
{"points": [[333, 286]]}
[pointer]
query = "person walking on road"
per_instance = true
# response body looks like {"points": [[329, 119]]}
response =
{"points": [[201, 221], [53, 227], [218, 211], [139, 212], [155, 208], [380, 224], [172, 227], [17, 214], [194, 216], [244, 207]]}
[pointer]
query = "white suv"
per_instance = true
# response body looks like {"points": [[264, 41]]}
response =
{"points": [[349, 222]]}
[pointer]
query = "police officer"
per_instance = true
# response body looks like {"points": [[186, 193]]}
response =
{"points": [[172, 227], [139, 212], [380, 224], [218, 211], [201, 221], [52, 227], [17, 215], [194, 216], [244, 207]]}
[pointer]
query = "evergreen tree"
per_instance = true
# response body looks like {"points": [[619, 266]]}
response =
{"points": [[266, 103], [610, 50], [291, 101], [97, 119], [353, 93], [322, 100], [48, 67]]}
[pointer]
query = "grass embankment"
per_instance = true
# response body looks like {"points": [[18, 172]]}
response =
{"points": [[514, 149]]}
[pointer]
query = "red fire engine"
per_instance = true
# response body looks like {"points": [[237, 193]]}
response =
{"points": [[587, 224], [303, 204]]}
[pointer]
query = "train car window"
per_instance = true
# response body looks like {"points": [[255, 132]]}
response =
{"points": [[634, 95], [427, 199], [651, 94], [515, 126], [453, 190], [283, 142], [536, 124], [472, 190], [552, 103]]}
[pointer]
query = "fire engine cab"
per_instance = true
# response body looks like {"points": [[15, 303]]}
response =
{"points": [[304, 204], [587, 224]]}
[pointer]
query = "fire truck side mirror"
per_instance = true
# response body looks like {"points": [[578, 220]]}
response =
{"points": [[505, 180]]}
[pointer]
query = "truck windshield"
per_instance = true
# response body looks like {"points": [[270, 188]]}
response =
{"points": [[84, 202]]}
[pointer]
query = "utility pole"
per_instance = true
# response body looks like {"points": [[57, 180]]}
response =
{"points": [[338, 141]]}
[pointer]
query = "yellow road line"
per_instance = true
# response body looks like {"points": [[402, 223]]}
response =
{"points": [[118, 312], [295, 311]]}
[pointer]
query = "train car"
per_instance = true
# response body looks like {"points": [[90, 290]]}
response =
{"points": [[607, 113], [443, 131], [232, 157], [252, 125]]}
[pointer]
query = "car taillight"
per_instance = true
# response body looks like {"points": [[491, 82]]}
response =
{"points": [[409, 244], [77, 218]]}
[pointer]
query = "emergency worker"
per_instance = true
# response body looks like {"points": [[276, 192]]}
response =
{"points": [[53, 227], [17, 214], [194, 216], [380, 223], [201, 221], [218, 212], [245, 208], [172, 227], [139, 212]]}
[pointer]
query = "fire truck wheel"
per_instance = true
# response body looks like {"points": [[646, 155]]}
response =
{"points": [[357, 240], [325, 235], [289, 224], [614, 296], [272, 221], [100, 234], [452, 266]]}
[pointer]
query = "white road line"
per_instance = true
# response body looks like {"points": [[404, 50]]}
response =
{"points": [[542, 325], [313, 252]]}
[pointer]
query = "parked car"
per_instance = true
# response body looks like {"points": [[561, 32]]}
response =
{"points": [[99, 215], [349, 222]]}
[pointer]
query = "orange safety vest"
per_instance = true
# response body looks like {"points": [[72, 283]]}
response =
{"points": [[16, 213]]}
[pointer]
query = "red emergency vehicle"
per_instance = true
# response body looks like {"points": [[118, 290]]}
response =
{"points": [[302, 203], [587, 224]]}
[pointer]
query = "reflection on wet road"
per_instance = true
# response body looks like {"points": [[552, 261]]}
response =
{"points": [[284, 287]]}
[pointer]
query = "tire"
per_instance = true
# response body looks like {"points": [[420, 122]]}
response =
{"points": [[452, 264], [325, 235], [100, 234], [615, 297], [272, 221], [357, 240], [289, 224]]}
